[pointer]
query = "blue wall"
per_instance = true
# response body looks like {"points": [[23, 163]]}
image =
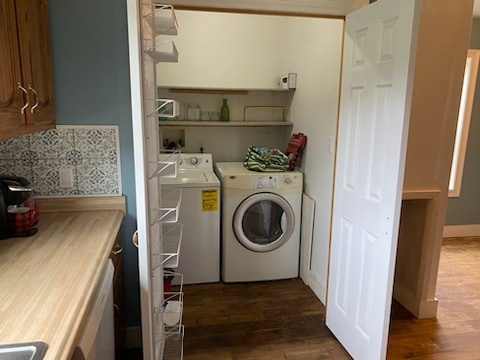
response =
{"points": [[465, 210], [92, 86]]}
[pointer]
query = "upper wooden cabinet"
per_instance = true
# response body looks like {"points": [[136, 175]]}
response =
{"points": [[26, 87]]}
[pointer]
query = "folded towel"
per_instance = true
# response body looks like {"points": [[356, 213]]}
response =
{"points": [[260, 158]]}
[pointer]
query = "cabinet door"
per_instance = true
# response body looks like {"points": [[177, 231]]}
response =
{"points": [[11, 97], [118, 297], [119, 309], [33, 35]]}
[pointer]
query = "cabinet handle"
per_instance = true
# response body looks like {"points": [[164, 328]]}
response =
{"points": [[35, 93], [135, 238], [22, 110], [118, 251]]}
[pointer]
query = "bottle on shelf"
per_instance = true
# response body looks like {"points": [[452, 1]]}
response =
{"points": [[224, 111]]}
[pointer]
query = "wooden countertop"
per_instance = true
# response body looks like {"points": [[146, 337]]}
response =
{"points": [[47, 281]]}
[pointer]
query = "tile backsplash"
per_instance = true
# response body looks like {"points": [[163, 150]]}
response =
{"points": [[90, 153]]}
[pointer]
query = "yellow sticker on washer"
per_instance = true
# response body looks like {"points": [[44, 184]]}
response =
{"points": [[209, 200]]}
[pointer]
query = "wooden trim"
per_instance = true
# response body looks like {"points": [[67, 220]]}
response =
{"points": [[186, 123], [421, 194], [258, 12], [97, 203], [204, 90], [24, 130], [208, 91]]}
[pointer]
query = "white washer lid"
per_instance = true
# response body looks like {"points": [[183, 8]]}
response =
{"points": [[192, 178]]}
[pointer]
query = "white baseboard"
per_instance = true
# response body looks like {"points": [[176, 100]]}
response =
{"points": [[318, 287], [461, 230], [133, 337]]}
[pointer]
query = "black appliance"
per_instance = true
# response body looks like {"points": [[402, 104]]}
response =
{"points": [[14, 190]]}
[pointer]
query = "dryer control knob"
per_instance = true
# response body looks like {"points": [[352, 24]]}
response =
{"points": [[287, 180], [193, 161]]}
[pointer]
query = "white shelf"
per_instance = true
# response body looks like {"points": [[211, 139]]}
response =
{"points": [[217, 90], [173, 348], [224, 123], [168, 331], [171, 309], [171, 242], [167, 108], [163, 51], [172, 341], [163, 20], [167, 166], [166, 306], [169, 206]]}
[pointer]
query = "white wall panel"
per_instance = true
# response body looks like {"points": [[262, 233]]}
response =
{"points": [[314, 52]]}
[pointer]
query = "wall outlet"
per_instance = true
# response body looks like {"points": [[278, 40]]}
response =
{"points": [[65, 177]]}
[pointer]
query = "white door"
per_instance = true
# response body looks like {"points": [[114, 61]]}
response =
{"points": [[374, 113]]}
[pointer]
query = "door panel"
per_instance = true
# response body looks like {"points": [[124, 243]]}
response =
{"points": [[36, 60], [11, 99], [374, 110]]}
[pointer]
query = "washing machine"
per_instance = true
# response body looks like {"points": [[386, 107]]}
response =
{"points": [[199, 257], [261, 217]]}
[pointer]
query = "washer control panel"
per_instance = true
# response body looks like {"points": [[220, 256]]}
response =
{"points": [[265, 182], [273, 181], [195, 161]]}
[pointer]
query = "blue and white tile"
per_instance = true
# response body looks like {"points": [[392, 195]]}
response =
{"points": [[29, 157], [16, 167], [46, 178], [52, 144], [92, 152], [74, 157], [12, 148], [98, 176], [96, 142]]}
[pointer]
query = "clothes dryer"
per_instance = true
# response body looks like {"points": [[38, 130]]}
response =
{"points": [[261, 217]]}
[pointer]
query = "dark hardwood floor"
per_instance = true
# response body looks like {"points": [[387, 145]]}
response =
{"points": [[283, 320], [266, 320]]}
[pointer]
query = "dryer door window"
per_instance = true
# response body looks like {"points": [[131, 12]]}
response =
{"points": [[263, 222]]}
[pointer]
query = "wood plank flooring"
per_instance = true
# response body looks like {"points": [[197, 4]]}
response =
{"points": [[455, 333], [265, 320], [283, 320]]}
